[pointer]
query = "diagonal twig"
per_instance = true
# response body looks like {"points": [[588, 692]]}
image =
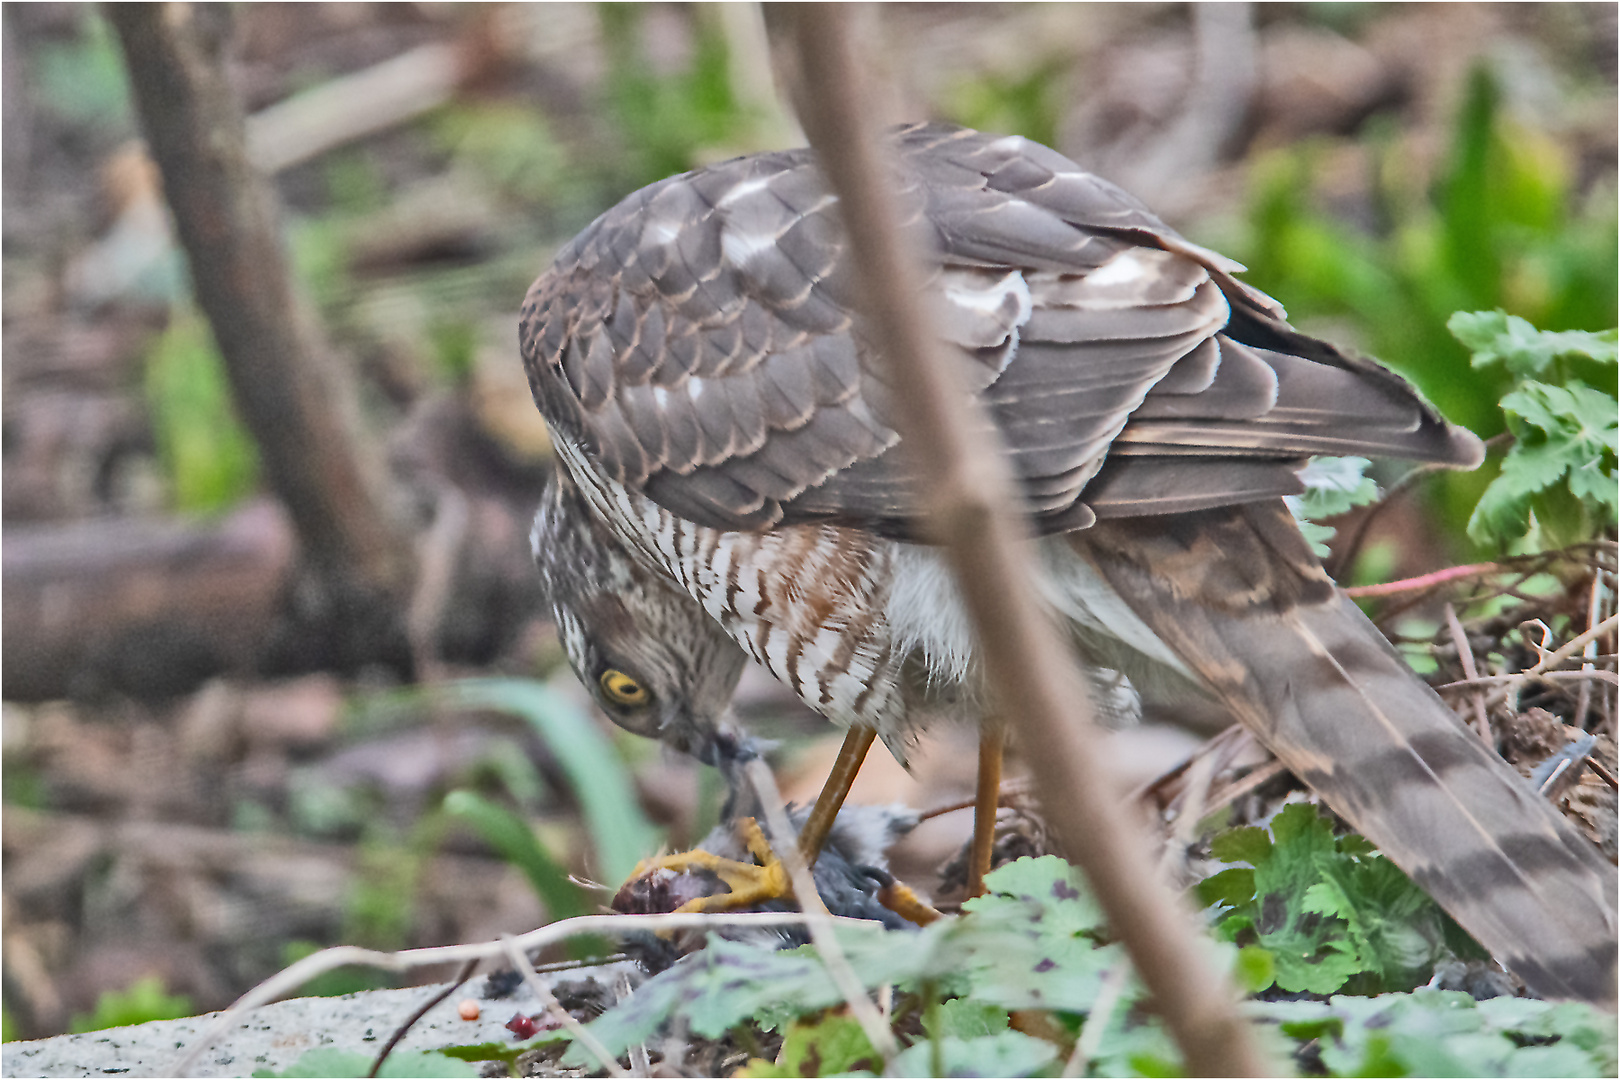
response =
{"points": [[1465, 653], [422, 1010], [962, 488]]}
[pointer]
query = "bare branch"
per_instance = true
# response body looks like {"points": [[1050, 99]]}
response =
{"points": [[963, 477], [298, 405]]}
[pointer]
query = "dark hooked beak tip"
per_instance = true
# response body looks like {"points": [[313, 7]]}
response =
{"points": [[726, 745]]}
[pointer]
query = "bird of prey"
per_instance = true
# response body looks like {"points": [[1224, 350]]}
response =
{"points": [[734, 489]]}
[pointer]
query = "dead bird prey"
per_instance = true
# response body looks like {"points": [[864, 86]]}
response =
{"points": [[852, 874]]}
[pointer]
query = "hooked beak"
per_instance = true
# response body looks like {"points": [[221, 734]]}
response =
{"points": [[726, 745]]}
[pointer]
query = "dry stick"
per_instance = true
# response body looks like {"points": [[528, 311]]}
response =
{"points": [[1551, 660], [300, 407], [1509, 681], [554, 1008], [291, 978], [1465, 653], [818, 920], [1424, 581], [1594, 609], [410, 1021], [962, 478]]}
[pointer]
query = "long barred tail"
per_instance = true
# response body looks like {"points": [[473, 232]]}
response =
{"points": [[1238, 596]]}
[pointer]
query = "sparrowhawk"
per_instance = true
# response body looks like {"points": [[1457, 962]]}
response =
{"points": [[734, 489]]}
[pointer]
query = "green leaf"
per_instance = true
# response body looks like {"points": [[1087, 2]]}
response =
{"points": [[832, 1046], [963, 1018], [144, 1000], [620, 833], [1007, 1053], [1049, 883], [330, 1061], [210, 459], [1321, 910], [1495, 337], [1445, 1033], [1558, 430]]}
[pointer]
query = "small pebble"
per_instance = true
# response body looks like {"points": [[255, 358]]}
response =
{"points": [[468, 1009]]}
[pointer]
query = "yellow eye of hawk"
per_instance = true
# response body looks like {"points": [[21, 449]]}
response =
{"points": [[621, 689]]}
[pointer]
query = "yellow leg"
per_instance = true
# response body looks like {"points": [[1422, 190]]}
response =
{"points": [[749, 883], [987, 796], [834, 792]]}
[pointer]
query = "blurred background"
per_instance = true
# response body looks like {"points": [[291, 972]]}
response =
{"points": [[195, 795]]}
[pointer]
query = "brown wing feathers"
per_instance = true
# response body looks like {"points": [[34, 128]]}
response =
{"points": [[1236, 594]]}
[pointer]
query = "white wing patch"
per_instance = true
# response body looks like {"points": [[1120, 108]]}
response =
{"points": [[741, 247]]}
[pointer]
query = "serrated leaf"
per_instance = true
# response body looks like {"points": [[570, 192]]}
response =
{"points": [[1007, 1053], [963, 1018], [833, 1046], [1048, 882], [1558, 430], [1442, 1033], [1249, 843], [1497, 337]]}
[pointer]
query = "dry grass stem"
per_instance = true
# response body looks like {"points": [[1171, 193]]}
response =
{"points": [[1465, 653]]}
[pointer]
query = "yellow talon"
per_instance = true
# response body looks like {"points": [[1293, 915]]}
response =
{"points": [[749, 883]]}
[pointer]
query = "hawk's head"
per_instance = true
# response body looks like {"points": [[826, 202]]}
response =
{"points": [[646, 650]]}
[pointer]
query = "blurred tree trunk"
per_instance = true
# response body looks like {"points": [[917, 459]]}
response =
{"points": [[298, 403]]}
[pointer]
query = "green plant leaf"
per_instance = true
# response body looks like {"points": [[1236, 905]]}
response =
{"points": [[210, 459], [331, 1061], [964, 1018], [1007, 1053], [1445, 1033], [144, 1000], [1321, 909], [1495, 337], [832, 1046], [621, 835], [1333, 485], [1559, 431]]}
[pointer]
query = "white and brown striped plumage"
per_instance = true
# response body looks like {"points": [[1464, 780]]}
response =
{"points": [[724, 429]]}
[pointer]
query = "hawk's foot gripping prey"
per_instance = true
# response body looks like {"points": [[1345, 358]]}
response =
{"points": [[747, 883], [733, 489]]}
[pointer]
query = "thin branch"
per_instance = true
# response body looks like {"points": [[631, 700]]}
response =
{"points": [[301, 408], [962, 481], [1465, 653], [422, 1010], [1552, 660], [291, 978], [1517, 677], [1424, 581]]}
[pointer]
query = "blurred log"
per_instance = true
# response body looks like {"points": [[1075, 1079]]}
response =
{"points": [[299, 405], [150, 608]]}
